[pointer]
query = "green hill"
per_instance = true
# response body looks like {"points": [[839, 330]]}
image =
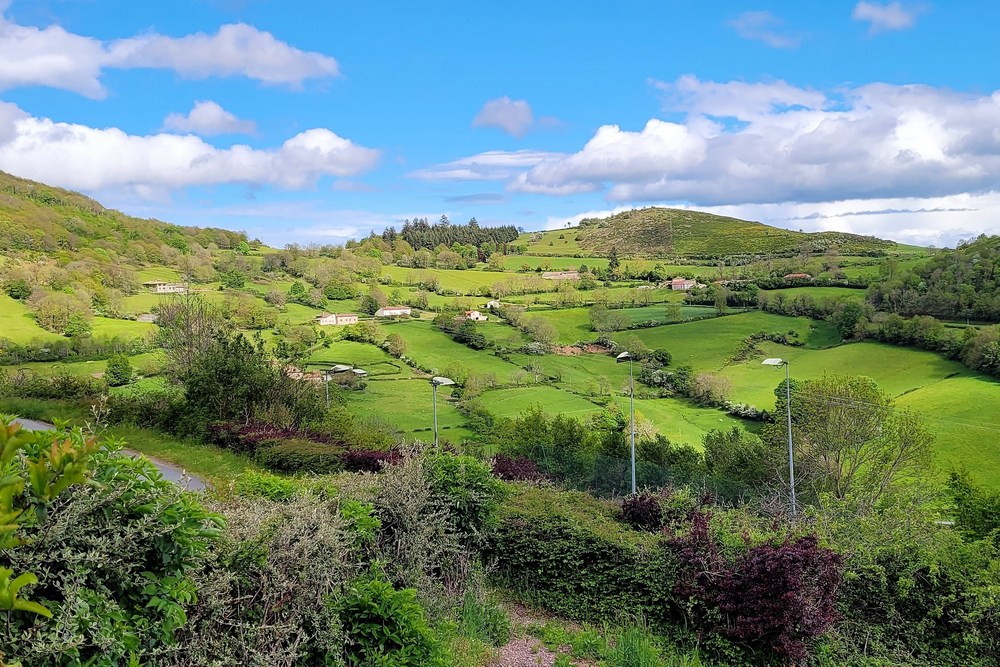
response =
{"points": [[669, 232], [42, 218]]}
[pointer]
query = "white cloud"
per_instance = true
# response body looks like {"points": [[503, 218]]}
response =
{"points": [[787, 144], [888, 16], [236, 49], [512, 116], [207, 119], [487, 166], [90, 159], [763, 26], [56, 58]]}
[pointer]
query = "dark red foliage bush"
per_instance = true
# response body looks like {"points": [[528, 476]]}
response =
{"points": [[781, 596], [643, 512], [515, 469], [774, 598], [366, 460]]}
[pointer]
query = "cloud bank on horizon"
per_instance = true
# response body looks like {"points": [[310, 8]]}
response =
{"points": [[241, 118]]}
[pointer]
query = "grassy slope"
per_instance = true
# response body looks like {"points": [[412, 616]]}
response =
{"points": [[817, 293], [17, 323], [375, 360], [434, 349], [664, 231]]}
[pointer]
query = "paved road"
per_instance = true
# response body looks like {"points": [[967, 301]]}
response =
{"points": [[169, 471]]}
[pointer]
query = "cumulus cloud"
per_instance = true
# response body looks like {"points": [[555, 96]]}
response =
{"points": [[512, 116], [787, 144], [763, 26], [91, 159], [56, 58], [883, 17], [207, 119]]}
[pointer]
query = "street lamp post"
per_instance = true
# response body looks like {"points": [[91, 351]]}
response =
{"points": [[788, 410], [436, 382], [625, 356]]}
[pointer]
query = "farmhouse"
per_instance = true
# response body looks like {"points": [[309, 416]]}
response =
{"points": [[338, 319], [493, 305], [160, 287], [475, 316], [393, 311], [561, 275], [682, 284], [798, 276]]}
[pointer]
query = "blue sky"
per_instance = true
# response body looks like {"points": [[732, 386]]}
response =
{"points": [[319, 121]]}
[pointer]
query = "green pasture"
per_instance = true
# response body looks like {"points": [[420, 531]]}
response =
{"points": [[373, 359], [706, 344], [148, 362], [579, 374], [956, 404], [817, 293], [432, 348], [679, 420], [961, 412], [574, 323], [106, 327], [466, 281], [407, 404], [551, 244], [510, 402], [17, 324], [162, 273]]}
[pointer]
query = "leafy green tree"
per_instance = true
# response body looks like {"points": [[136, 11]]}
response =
{"points": [[18, 289], [234, 279], [243, 248], [119, 371]]}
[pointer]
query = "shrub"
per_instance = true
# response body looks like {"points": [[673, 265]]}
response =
{"points": [[366, 460], [385, 626], [262, 485], [643, 512], [119, 371], [468, 490], [516, 468], [114, 558], [482, 618], [300, 455]]}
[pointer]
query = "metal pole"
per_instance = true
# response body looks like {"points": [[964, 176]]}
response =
{"points": [[791, 460], [435, 387], [631, 392], [326, 375]]}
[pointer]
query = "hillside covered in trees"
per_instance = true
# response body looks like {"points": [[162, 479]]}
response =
{"points": [[963, 283]]}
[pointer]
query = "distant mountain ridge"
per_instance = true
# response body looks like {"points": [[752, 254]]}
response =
{"points": [[670, 232]]}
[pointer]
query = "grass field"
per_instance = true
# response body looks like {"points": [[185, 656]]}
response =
{"points": [[105, 327], [678, 420], [375, 360], [817, 293], [574, 323], [950, 398], [17, 324], [707, 343], [148, 361], [407, 404], [434, 349]]}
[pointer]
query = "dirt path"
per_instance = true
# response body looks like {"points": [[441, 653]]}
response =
{"points": [[524, 650]]}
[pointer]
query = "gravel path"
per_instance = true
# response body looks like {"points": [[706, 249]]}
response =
{"points": [[524, 652]]}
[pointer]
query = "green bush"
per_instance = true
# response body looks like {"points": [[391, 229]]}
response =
{"points": [[469, 491], [114, 558], [385, 626], [483, 619], [262, 485], [119, 371], [300, 455]]}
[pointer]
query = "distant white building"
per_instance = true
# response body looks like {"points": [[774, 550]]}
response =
{"points": [[475, 316], [682, 284], [336, 319], [493, 305], [393, 311], [160, 287]]}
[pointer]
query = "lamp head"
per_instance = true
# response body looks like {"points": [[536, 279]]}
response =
{"points": [[438, 381], [624, 356], [773, 362]]}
